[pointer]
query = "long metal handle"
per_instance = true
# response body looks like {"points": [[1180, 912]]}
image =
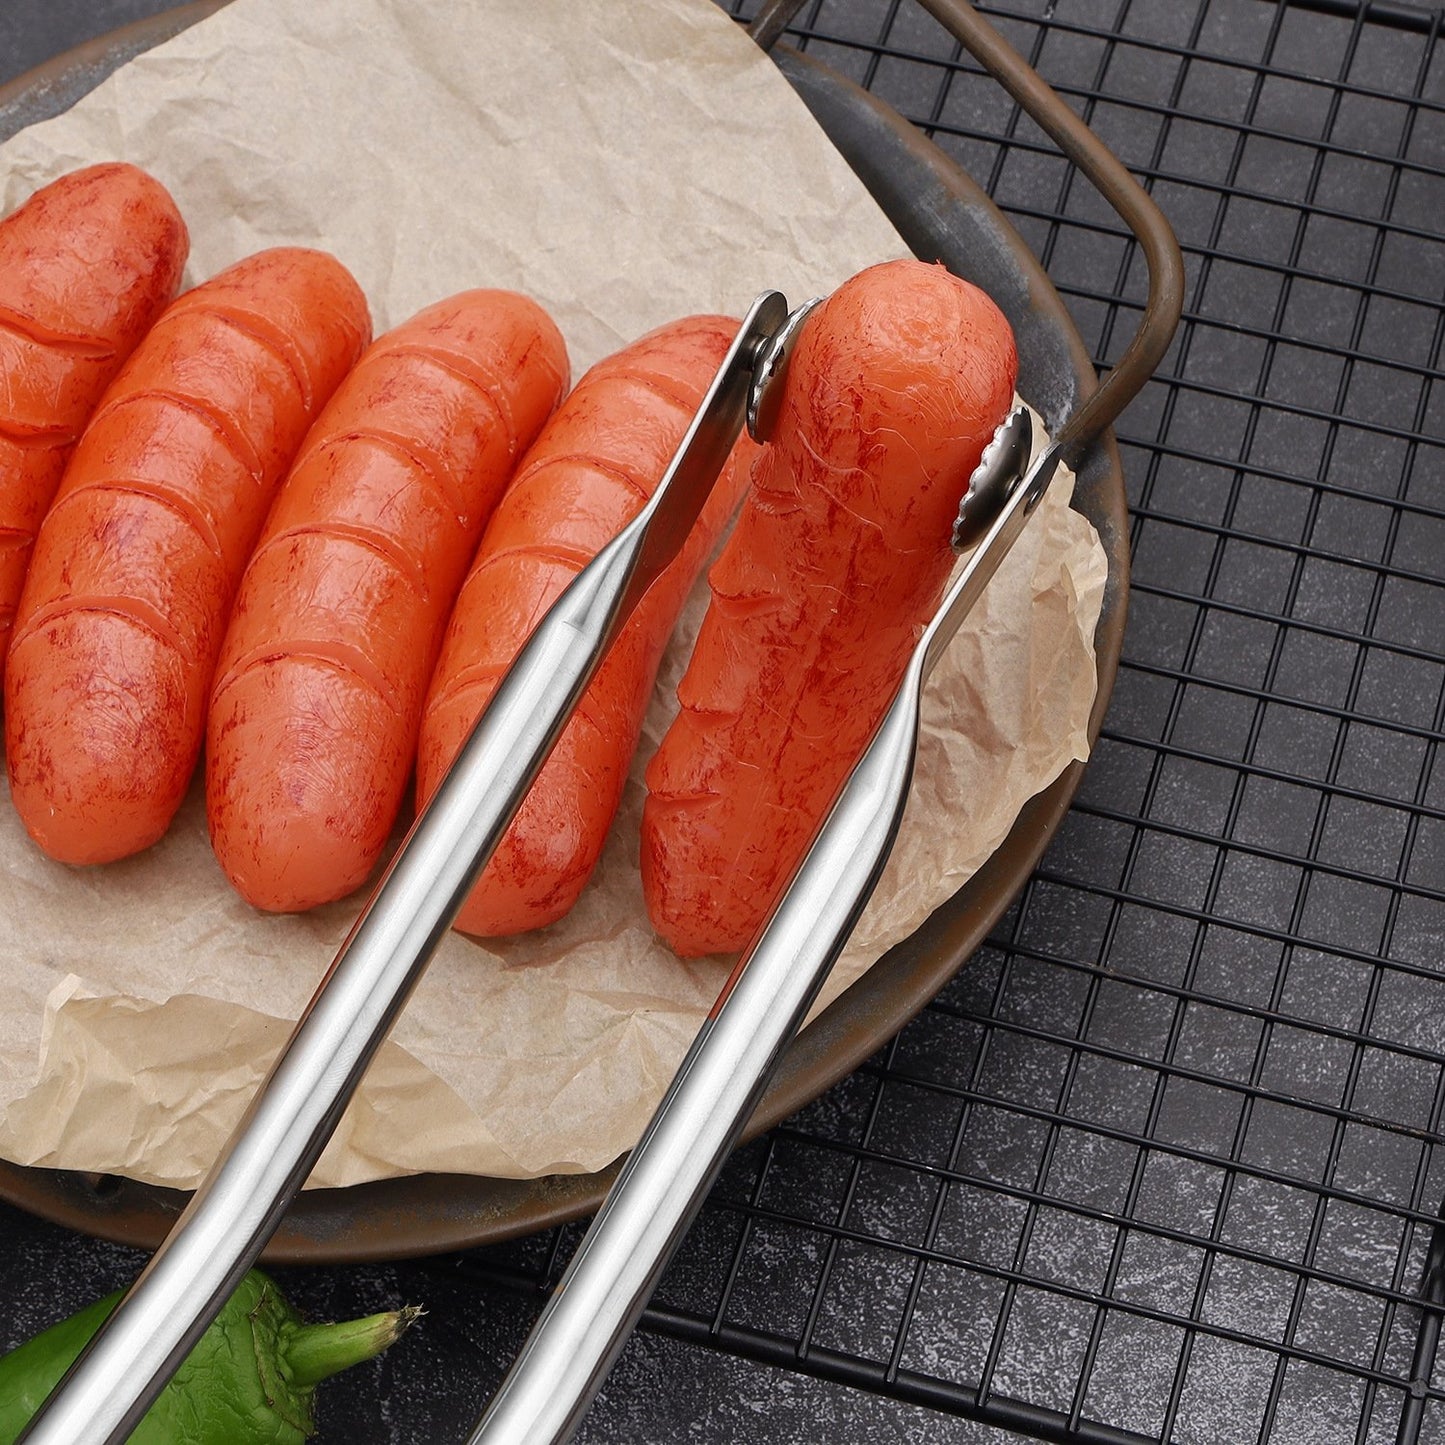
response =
{"points": [[237, 1207], [716, 1089], [724, 1072], [659, 1189]]}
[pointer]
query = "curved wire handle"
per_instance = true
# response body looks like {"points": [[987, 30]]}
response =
{"points": [[1134, 205]]}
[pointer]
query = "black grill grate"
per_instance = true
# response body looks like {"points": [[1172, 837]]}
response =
{"points": [[1162, 1162]]}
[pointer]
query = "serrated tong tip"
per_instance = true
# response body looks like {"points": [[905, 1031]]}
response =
{"points": [[1000, 469]]}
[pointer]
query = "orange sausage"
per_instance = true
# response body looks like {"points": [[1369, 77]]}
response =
{"points": [[134, 568], [588, 475], [317, 702], [838, 560], [86, 266]]}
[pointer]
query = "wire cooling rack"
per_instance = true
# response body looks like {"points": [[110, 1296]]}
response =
{"points": [[1162, 1162]]}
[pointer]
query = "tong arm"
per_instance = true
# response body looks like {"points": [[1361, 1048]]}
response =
{"points": [[723, 1074], [278, 1141]]}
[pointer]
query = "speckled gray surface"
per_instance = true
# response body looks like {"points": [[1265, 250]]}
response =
{"points": [[32, 31], [431, 1385], [1166, 1154]]}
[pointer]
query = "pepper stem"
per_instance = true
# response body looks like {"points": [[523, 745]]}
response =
{"points": [[314, 1352]]}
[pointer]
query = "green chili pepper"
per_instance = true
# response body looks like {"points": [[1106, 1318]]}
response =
{"points": [[248, 1380]]}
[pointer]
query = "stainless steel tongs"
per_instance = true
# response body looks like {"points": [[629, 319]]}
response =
{"points": [[266, 1161], [276, 1144]]}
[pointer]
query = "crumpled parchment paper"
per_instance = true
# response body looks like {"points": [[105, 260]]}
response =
{"points": [[625, 162]]}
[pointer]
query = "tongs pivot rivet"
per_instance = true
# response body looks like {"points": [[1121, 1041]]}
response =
{"points": [[766, 392]]}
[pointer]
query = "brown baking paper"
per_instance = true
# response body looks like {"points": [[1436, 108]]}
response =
{"points": [[625, 163]]}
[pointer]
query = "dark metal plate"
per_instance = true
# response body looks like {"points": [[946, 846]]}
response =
{"points": [[942, 215]]}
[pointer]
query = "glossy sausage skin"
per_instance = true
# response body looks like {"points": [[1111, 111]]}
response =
{"points": [[135, 566], [588, 475], [838, 560], [87, 264], [317, 701]]}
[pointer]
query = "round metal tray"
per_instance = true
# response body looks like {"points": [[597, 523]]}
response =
{"points": [[942, 215]]}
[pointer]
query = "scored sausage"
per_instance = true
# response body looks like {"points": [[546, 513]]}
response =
{"points": [[841, 553], [591, 471], [134, 568], [335, 629], [86, 266]]}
